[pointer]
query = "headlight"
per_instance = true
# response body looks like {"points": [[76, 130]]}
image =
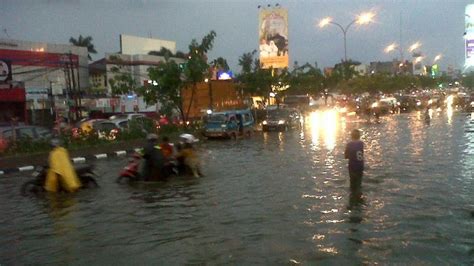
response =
{"points": [[281, 122], [264, 122]]}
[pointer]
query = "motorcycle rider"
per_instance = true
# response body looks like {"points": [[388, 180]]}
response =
{"points": [[154, 159], [61, 174]]}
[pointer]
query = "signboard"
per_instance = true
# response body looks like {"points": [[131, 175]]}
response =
{"points": [[37, 93], [5, 71], [273, 38], [469, 36]]}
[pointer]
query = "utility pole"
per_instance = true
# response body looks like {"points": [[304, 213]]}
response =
{"points": [[76, 103], [67, 74]]}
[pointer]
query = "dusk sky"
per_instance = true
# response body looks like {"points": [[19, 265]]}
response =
{"points": [[437, 24]]}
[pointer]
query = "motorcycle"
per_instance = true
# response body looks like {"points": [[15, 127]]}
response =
{"points": [[85, 174], [131, 172]]}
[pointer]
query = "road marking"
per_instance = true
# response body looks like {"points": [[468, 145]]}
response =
{"points": [[26, 168], [101, 156], [120, 153], [79, 160]]}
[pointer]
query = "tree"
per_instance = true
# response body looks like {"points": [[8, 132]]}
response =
{"points": [[165, 88], [468, 80], [84, 42], [197, 68], [305, 79], [122, 81], [170, 78], [221, 64], [165, 52]]}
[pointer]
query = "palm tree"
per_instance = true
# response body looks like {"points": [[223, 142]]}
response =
{"points": [[84, 42]]}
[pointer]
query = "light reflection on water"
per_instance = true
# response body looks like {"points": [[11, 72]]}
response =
{"points": [[272, 199]]}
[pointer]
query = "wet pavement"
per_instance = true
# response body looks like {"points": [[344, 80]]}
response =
{"points": [[277, 198]]}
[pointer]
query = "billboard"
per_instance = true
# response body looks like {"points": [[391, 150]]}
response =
{"points": [[273, 38], [5, 71], [469, 36]]}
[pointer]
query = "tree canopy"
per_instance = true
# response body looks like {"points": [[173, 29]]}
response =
{"points": [[84, 42]]}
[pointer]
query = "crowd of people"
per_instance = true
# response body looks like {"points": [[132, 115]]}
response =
{"points": [[157, 161]]}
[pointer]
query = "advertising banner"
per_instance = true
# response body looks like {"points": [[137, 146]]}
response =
{"points": [[469, 36], [5, 71], [273, 38]]}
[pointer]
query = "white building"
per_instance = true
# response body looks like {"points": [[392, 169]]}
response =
{"points": [[132, 60]]}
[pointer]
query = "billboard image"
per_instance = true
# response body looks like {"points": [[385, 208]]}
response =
{"points": [[469, 37], [273, 38]]}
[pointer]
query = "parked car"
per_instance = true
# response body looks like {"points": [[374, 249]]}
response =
{"points": [[281, 120], [229, 124], [126, 116], [22, 132]]}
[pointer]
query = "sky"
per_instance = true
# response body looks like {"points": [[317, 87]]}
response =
{"points": [[437, 24]]}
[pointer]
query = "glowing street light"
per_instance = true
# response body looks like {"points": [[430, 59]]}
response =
{"points": [[390, 48], [362, 19], [365, 18], [414, 46], [324, 22], [418, 59], [438, 57]]}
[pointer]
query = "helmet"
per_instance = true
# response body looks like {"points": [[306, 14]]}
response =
{"points": [[152, 136]]}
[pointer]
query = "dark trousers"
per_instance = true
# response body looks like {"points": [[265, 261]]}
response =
{"points": [[356, 180]]}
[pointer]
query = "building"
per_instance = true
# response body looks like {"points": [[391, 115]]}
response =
{"points": [[469, 38], [133, 61], [46, 68], [361, 69], [391, 67]]}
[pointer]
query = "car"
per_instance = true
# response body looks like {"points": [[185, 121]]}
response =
{"points": [[282, 120], [126, 116], [229, 124], [7, 134]]}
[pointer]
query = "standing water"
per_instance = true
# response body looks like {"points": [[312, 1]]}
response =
{"points": [[277, 198]]}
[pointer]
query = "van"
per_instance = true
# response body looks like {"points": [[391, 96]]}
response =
{"points": [[229, 124]]}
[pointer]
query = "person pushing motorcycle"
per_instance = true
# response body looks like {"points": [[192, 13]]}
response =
{"points": [[61, 174]]}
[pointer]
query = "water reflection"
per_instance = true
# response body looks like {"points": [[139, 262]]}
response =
{"points": [[324, 123]]}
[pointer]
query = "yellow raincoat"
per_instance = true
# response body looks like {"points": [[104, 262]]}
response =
{"points": [[61, 172]]}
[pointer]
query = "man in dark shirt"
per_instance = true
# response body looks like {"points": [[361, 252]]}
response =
{"points": [[355, 153], [154, 159]]}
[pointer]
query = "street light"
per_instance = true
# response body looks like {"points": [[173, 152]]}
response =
{"points": [[414, 46], [418, 59], [362, 19], [438, 57]]}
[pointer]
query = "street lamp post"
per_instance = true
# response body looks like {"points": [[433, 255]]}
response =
{"points": [[411, 48], [362, 19]]}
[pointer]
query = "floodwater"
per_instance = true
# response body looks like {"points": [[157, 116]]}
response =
{"points": [[277, 198]]}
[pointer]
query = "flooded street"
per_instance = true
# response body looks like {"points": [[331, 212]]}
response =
{"points": [[276, 198]]}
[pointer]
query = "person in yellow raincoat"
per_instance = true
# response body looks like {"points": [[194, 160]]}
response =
{"points": [[61, 173]]}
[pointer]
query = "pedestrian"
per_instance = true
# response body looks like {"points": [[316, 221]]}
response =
{"points": [[355, 153]]}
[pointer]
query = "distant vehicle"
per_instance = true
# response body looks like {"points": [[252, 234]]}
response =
{"points": [[302, 102], [107, 129], [229, 124], [21, 132], [407, 104], [282, 120], [126, 116]]}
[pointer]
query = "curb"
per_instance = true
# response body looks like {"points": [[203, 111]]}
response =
{"points": [[75, 160]]}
